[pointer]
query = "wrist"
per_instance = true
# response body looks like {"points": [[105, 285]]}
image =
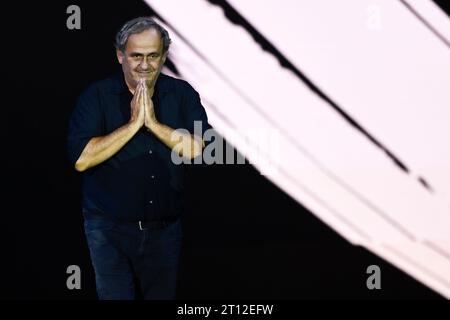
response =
{"points": [[152, 125], [134, 125]]}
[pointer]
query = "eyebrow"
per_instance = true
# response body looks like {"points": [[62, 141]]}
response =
{"points": [[141, 54]]}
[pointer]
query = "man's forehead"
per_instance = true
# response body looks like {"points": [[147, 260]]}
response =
{"points": [[145, 38], [143, 48]]}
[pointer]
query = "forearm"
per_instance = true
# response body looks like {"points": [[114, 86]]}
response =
{"points": [[102, 148], [186, 145]]}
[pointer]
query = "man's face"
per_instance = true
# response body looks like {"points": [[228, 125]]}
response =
{"points": [[143, 58]]}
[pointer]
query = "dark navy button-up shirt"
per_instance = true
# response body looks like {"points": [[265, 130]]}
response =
{"points": [[140, 182]]}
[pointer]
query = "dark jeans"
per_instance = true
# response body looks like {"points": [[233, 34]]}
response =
{"points": [[129, 262]]}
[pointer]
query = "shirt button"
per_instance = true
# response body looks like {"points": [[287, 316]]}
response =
{"points": [[151, 201], [150, 151], [153, 177]]}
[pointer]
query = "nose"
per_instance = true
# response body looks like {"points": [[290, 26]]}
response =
{"points": [[144, 64]]}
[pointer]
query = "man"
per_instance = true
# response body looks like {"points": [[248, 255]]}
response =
{"points": [[121, 136]]}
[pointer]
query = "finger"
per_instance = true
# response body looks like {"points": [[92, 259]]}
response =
{"points": [[135, 103], [139, 86], [149, 93], [146, 94], [138, 92], [141, 94], [144, 86]]}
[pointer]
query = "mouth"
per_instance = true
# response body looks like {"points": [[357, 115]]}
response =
{"points": [[144, 74]]}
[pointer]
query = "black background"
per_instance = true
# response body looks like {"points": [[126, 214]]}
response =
{"points": [[244, 238]]}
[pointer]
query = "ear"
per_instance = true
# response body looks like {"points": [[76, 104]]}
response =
{"points": [[120, 55]]}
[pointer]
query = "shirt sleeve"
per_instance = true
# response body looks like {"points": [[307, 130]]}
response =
{"points": [[84, 124], [196, 119]]}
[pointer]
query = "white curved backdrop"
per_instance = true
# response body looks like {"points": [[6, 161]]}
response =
{"points": [[367, 149]]}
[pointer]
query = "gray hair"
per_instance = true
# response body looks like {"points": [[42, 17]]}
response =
{"points": [[138, 25]]}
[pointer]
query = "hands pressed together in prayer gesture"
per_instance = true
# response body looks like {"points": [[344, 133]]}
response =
{"points": [[142, 108], [143, 114]]}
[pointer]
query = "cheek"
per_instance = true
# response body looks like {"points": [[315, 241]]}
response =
{"points": [[129, 65]]}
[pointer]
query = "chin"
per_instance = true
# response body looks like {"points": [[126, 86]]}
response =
{"points": [[147, 78]]}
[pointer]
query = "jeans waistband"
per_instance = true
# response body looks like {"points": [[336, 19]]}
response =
{"points": [[140, 224]]}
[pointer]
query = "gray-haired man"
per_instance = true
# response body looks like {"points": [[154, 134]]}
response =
{"points": [[121, 135]]}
